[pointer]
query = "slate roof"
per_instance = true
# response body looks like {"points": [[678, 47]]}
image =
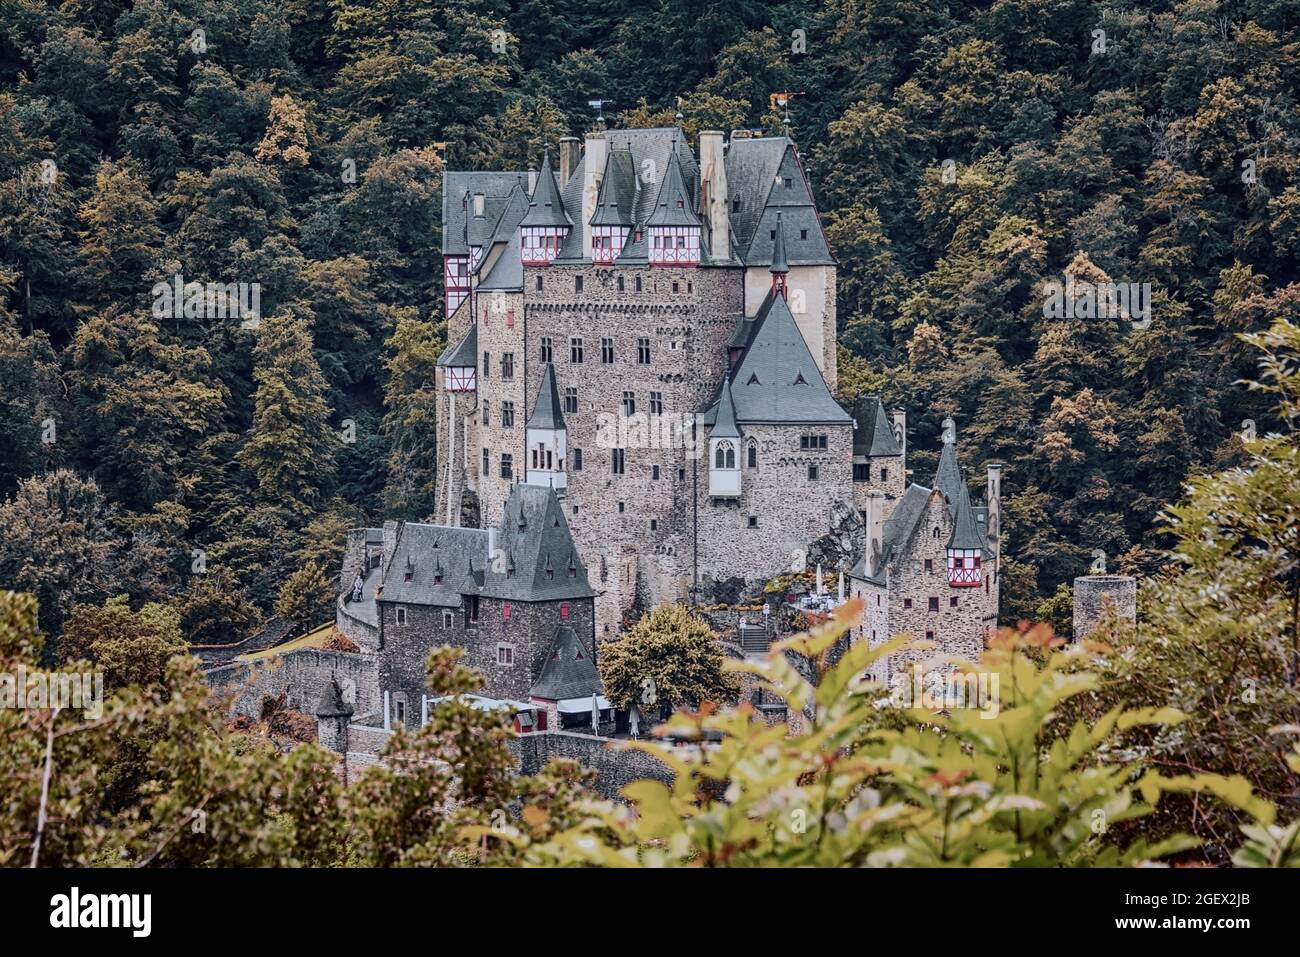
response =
{"points": [[460, 228], [756, 173], [546, 411], [779, 263], [620, 189], [429, 553], [898, 530], [724, 425], [569, 671], [507, 273], [331, 703], [947, 477], [776, 380], [535, 551], [465, 353], [965, 532], [874, 434], [674, 206], [545, 207]]}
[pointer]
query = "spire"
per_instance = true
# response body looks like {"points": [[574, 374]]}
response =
{"points": [[674, 207], [965, 532], [545, 207], [546, 412], [724, 426], [779, 264], [947, 477]]}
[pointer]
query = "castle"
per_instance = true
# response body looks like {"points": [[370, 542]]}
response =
{"points": [[638, 394]]}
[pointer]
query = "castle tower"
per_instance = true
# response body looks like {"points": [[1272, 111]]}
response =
{"points": [[965, 545], [546, 437], [1094, 594], [724, 448], [673, 227], [332, 717], [546, 225], [459, 375]]}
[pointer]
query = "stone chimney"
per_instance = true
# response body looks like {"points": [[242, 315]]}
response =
{"points": [[1094, 594], [392, 532], [568, 158], [875, 529], [595, 172], [532, 181], [713, 174], [900, 433], [480, 204], [993, 494]]}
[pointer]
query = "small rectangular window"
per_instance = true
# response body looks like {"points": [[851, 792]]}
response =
{"points": [[934, 604], [401, 616], [656, 403], [577, 464], [446, 619], [507, 366], [575, 349], [539, 283], [507, 465], [803, 234], [507, 415], [570, 400], [564, 611], [654, 524], [813, 473], [929, 565], [487, 462], [616, 461], [629, 403], [606, 351], [505, 653], [546, 349], [487, 364], [643, 351], [952, 602], [577, 284], [753, 521], [884, 475], [907, 603], [654, 473]]}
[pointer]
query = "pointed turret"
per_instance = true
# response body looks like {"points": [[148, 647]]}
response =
{"points": [[546, 224], [947, 477], [966, 545], [546, 437], [779, 268], [673, 226], [724, 447]]}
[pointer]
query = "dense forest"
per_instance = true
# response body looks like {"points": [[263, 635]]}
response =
{"points": [[963, 155]]}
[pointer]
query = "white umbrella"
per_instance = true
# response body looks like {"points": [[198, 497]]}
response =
{"points": [[819, 578], [839, 596], [595, 714]]}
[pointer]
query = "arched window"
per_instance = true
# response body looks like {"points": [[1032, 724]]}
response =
{"points": [[753, 456], [724, 457]]}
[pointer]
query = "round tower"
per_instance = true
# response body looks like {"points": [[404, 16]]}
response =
{"points": [[1094, 593]]}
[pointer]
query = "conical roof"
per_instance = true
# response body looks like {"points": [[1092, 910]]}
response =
{"points": [[545, 207], [724, 426], [674, 207], [546, 412], [779, 263], [331, 704], [947, 477], [966, 533]]}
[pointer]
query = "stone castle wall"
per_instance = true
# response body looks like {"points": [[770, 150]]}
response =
{"points": [[301, 676]]}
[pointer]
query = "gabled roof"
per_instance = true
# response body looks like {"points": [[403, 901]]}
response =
{"points": [[545, 207], [966, 533], [724, 424], [874, 434], [534, 551], [756, 173], [777, 381], [507, 272], [674, 206], [898, 530], [460, 228], [569, 671], [546, 411], [464, 354]]}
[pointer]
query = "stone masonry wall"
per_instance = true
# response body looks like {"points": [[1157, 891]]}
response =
{"points": [[301, 676], [615, 767], [792, 510]]}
